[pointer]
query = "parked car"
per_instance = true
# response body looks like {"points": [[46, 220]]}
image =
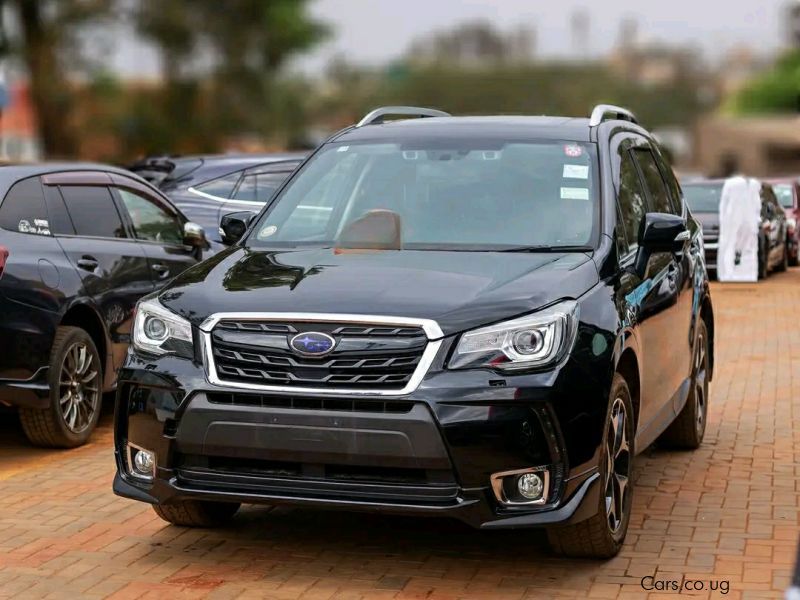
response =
{"points": [[484, 318], [207, 187], [787, 190], [703, 198], [79, 245]]}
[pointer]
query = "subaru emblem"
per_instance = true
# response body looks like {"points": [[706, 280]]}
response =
{"points": [[312, 343]]}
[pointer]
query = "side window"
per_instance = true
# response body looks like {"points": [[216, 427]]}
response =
{"points": [[672, 182], [247, 189], [268, 184], [24, 210], [92, 211], [631, 200], [60, 223], [659, 198], [220, 188], [150, 221]]}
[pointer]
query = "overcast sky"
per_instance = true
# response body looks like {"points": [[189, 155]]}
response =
{"points": [[374, 31]]}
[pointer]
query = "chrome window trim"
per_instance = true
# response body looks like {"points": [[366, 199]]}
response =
{"points": [[222, 200], [431, 328]]}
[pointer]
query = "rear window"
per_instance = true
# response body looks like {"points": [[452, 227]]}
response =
{"points": [[442, 194], [24, 210], [703, 198], [785, 194]]}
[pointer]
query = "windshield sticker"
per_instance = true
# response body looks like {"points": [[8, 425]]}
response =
{"points": [[343, 148], [576, 172], [267, 231], [39, 227], [411, 155], [570, 193], [573, 150]]}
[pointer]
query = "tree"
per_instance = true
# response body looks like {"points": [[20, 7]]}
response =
{"points": [[47, 45], [776, 91]]}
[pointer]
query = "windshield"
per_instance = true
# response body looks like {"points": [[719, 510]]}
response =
{"points": [[785, 195], [439, 195], [704, 197]]}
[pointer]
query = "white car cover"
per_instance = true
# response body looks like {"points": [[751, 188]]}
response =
{"points": [[739, 218]]}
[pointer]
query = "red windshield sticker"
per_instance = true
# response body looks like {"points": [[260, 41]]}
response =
{"points": [[573, 150]]}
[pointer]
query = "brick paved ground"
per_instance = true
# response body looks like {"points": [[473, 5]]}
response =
{"points": [[726, 512]]}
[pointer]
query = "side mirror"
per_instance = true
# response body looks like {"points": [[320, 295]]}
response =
{"points": [[660, 232], [234, 225], [194, 235]]}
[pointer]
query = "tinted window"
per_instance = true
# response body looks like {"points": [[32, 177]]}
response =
{"points": [[23, 208], [631, 200], [151, 221], [60, 223], [259, 187], [221, 188], [672, 183], [92, 211], [703, 198], [659, 197], [445, 194], [247, 189]]}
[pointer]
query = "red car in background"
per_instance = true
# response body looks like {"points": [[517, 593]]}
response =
{"points": [[787, 190]]}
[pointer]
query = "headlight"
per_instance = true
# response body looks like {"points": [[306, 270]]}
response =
{"points": [[158, 330], [533, 341]]}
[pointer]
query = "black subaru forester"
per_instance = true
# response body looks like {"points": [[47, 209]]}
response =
{"points": [[477, 317]]}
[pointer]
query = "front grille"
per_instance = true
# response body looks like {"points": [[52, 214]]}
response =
{"points": [[308, 403], [365, 356]]}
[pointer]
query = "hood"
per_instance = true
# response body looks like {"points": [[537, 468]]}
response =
{"points": [[459, 290], [709, 222]]}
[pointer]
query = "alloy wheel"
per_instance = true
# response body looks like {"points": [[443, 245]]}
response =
{"points": [[700, 374], [79, 391], [618, 465]]}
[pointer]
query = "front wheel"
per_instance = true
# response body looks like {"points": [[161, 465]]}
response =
{"points": [[602, 535], [197, 513]]}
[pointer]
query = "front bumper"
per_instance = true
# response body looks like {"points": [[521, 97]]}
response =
{"points": [[430, 453]]}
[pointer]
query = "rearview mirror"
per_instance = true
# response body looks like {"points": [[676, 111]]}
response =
{"points": [[194, 235], [660, 232], [234, 225]]}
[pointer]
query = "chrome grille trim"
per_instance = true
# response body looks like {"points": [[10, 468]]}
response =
{"points": [[431, 328]]}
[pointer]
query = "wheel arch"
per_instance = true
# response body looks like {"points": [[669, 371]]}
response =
{"points": [[85, 317], [628, 367]]}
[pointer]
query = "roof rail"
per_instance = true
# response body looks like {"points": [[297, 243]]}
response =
{"points": [[376, 116], [600, 112]]}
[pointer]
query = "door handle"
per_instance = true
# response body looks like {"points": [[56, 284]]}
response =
{"points": [[162, 270], [87, 263]]}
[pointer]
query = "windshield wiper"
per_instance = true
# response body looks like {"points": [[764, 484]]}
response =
{"points": [[548, 249]]}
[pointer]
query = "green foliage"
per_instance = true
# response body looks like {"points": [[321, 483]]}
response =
{"points": [[776, 91]]}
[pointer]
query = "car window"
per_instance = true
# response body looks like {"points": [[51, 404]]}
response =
{"points": [[220, 188], [150, 221], [92, 211], [631, 200], [672, 182], [24, 210], [60, 223], [247, 189], [785, 194], [659, 197], [452, 193], [703, 197]]}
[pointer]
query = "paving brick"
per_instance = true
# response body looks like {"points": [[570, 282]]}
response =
{"points": [[727, 512]]}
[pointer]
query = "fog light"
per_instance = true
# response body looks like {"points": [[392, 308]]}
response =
{"points": [[142, 463], [530, 486]]}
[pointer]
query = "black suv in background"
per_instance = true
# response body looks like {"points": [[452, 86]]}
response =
{"points": [[477, 317], [207, 187], [79, 245], [704, 196]]}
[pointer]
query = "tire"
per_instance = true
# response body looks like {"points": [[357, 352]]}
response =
{"points": [[76, 379], [689, 427], [784, 264], [197, 513], [600, 536]]}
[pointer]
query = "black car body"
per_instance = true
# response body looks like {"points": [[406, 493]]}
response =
{"points": [[207, 187], [703, 197], [364, 372], [82, 243]]}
